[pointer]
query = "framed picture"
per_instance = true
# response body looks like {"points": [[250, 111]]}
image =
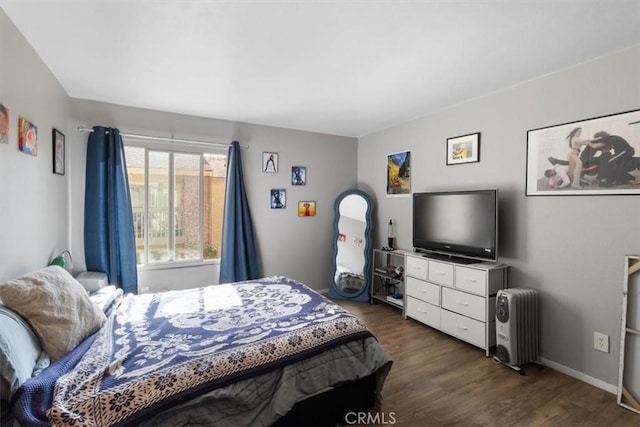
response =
{"points": [[298, 175], [463, 149], [5, 122], [27, 137], [57, 139], [278, 199], [399, 174], [587, 157], [270, 162], [306, 208]]}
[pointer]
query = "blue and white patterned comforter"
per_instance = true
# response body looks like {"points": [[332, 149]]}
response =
{"points": [[156, 350]]}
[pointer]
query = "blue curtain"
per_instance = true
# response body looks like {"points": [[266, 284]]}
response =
{"points": [[238, 259], [109, 239]]}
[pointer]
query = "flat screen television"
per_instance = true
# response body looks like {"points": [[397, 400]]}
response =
{"points": [[460, 224]]}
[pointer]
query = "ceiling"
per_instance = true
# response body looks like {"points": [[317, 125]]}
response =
{"points": [[339, 67]]}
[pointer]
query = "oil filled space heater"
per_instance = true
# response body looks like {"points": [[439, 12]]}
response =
{"points": [[517, 327]]}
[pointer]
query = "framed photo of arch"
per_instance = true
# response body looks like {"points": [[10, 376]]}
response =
{"points": [[270, 162]]}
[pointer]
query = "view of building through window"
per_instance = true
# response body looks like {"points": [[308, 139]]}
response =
{"points": [[177, 200]]}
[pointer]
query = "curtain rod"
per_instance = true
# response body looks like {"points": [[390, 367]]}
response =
{"points": [[172, 140]]}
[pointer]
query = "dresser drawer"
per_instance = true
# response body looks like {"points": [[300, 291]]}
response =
{"points": [[463, 303], [423, 312], [462, 327], [416, 267], [425, 291], [471, 280], [441, 273]]}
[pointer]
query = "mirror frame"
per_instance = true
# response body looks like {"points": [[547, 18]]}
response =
{"points": [[368, 247]]}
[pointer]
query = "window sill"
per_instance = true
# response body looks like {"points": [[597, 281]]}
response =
{"points": [[177, 264]]}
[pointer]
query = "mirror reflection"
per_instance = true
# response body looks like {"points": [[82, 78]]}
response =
{"points": [[352, 246]]}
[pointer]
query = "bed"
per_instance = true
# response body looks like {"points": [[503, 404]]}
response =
{"points": [[264, 352]]}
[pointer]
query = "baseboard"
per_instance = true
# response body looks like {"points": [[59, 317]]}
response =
{"points": [[579, 376]]}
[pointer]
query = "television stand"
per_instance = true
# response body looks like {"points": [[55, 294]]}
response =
{"points": [[457, 297]]}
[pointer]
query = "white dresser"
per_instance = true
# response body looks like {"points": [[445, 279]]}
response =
{"points": [[457, 299]]}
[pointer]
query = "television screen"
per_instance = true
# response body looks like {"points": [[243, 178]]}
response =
{"points": [[457, 223]]}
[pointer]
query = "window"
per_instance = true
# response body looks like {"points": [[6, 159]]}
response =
{"points": [[177, 201]]}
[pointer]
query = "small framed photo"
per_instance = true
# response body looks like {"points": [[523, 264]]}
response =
{"points": [[57, 139], [27, 137], [278, 198], [270, 162], [298, 175], [306, 208], [4, 124], [463, 149]]}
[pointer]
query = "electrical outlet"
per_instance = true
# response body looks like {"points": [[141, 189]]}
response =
{"points": [[601, 342]]}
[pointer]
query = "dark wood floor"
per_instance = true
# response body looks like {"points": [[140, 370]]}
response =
{"points": [[439, 380]]}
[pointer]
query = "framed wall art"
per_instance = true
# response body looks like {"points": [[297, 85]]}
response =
{"points": [[597, 156], [306, 208], [463, 149], [270, 162], [57, 139], [278, 199], [27, 137], [298, 175], [5, 122], [399, 174]]}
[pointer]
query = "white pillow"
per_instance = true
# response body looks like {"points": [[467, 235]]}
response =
{"points": [[56, 306], [19, 352]]}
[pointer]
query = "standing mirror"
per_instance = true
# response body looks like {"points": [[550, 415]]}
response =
{"points": [[351, 257]]}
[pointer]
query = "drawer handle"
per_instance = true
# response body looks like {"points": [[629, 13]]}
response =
{"points": [[424, 291], [464, 328], [423, 311], [471, 280], [442, 273], [466, 304]]}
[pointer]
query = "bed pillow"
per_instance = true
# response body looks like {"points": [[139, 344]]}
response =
{"points": [[19, 352], [56, 306]]}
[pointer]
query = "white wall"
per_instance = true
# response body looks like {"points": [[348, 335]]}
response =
{"points": [[569, 248], [288, 245], [33, 201]]}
